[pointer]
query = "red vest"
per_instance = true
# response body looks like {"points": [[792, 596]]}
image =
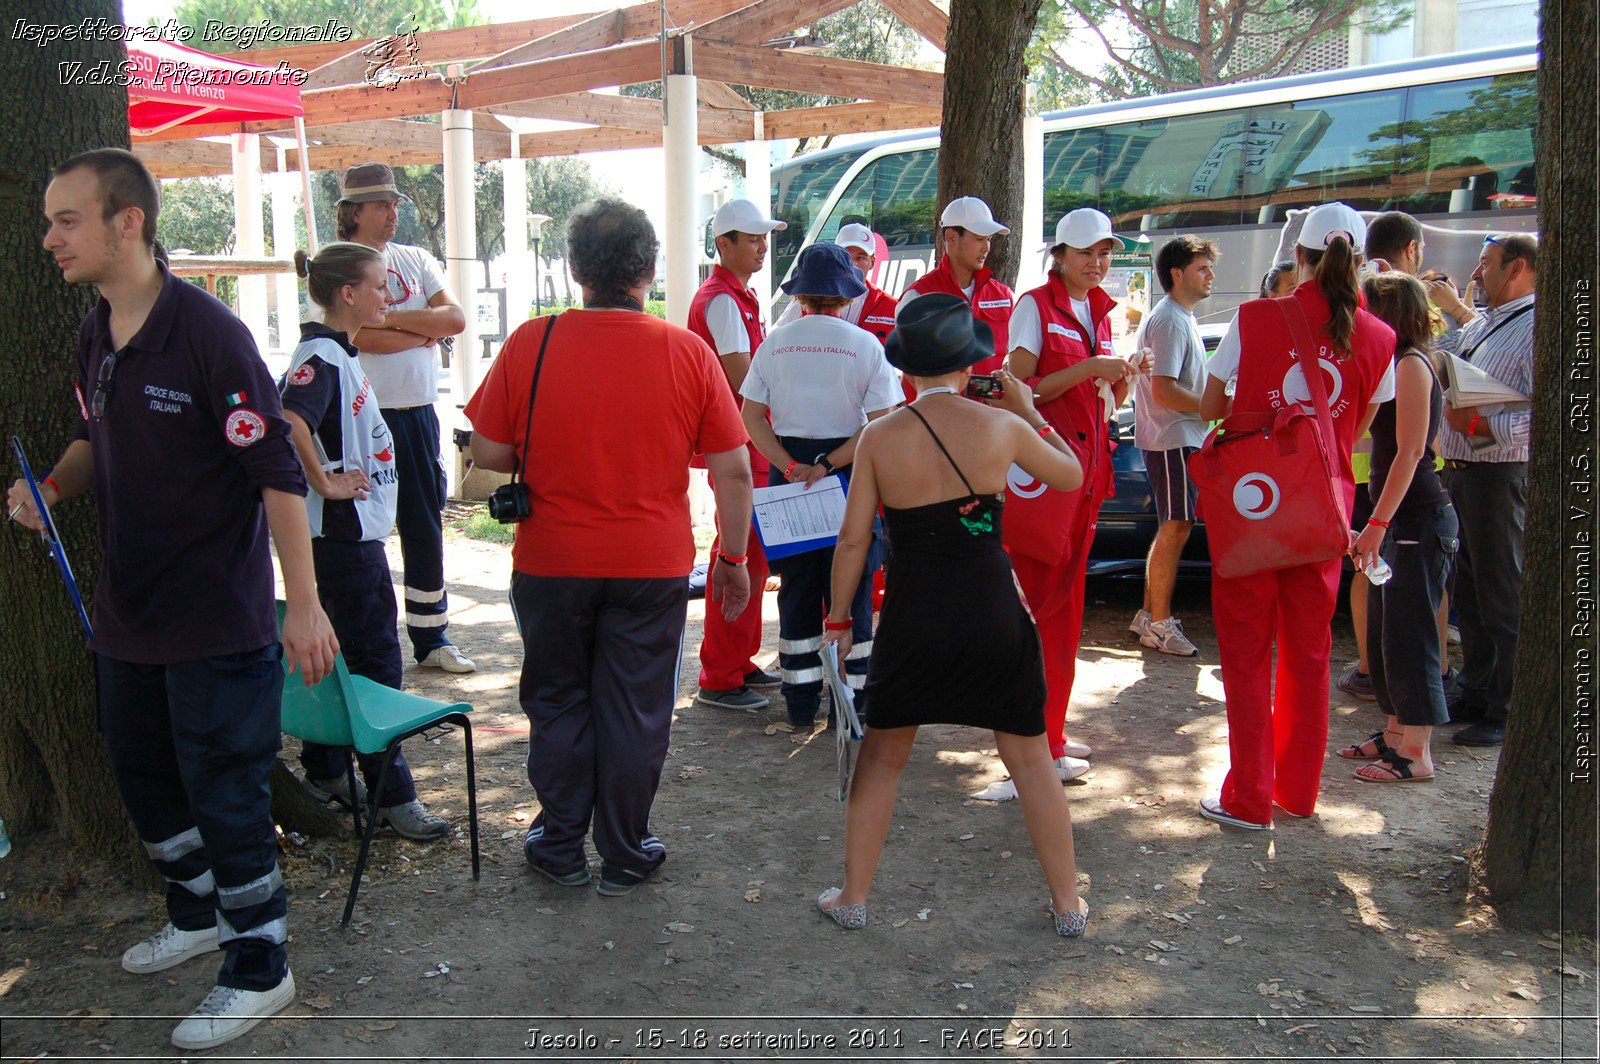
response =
{"points": [[877, 312], [723, 282], [991, 304], [1077, 413], [1270, 376]]}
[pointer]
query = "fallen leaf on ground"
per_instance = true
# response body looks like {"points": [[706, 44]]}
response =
{"points": [[752, 895], [321, 1001], [923, 914], [901, 922], [1233, 941], [1526, 993], [545, 912], [679, 928]]}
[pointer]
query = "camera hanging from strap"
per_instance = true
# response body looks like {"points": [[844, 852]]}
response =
{"points": [[533, 390]]}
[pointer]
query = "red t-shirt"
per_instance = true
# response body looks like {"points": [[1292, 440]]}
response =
{"points": [[625, 400]]}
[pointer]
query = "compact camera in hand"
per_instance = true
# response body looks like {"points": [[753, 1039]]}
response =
{"points": [[984, 386], [511, 503]]}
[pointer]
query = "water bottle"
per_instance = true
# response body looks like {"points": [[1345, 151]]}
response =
{"points": [[5, 840], [1378, 573]]}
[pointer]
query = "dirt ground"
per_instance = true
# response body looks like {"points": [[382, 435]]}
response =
{"points": [[1348, 934]]}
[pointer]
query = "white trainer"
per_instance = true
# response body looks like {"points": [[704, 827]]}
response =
{"points": [[1070, 768], [227, 1013], [1072, 748], [1140, 622], [998, 791], [167, 948], [449, 659], [1166, 635]]}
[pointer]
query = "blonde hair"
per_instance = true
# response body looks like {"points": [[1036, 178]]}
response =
{"points": [[335, 266]]}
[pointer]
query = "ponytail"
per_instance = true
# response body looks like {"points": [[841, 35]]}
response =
{"points": [[1334, 269], [334, 267]]}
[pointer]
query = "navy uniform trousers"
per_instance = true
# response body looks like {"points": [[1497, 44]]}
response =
{"points": [[192, 746], [420, 498]]}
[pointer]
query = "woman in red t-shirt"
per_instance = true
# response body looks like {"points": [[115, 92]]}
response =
{"points": [[1278, 725]]}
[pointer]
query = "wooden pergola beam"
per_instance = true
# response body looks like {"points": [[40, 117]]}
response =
{"points": [[716, 94], [766, 19], [433, 46], [346, 69], [622, 64], [798, 122], [744, 65], [717, 126], [581, 141], [924, 16], [391, 134], [599, 31]]}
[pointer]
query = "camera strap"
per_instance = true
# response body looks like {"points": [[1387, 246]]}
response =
{"points": [[533, 390]]}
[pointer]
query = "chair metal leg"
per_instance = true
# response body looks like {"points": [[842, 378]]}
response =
{"points": [[366, 836], [350, 777], [472, 790]]}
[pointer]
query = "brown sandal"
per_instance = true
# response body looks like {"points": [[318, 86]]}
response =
{"points": [[1358, 752], [1398, 770]]}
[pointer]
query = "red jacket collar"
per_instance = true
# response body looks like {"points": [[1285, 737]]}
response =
{"points": [[728, 279], [1100, 304], [979, 279]]}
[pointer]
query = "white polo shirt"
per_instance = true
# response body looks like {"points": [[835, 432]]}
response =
{"points": [[819, 376]]}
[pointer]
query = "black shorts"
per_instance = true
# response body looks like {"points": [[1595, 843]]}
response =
{"points": [[1176, 495]]}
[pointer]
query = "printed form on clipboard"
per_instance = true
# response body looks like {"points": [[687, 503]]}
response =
{"points": [[792, 520]]}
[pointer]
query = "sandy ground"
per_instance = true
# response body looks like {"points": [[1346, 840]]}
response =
{"points": [[1348, 934]]}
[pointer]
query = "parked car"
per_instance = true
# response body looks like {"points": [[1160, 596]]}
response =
{"points": [[1128, 519]]}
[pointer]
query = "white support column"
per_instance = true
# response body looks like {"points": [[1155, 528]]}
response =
{"points": [[250, 233], [519, 262], [758, 190], [461, 249], [682, 134], [283, 247], [1030, 265]]}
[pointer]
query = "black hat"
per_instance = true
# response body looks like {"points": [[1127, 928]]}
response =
{"points": [[936, 334]]}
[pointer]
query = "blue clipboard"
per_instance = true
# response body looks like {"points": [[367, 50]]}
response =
{"points": [[50, 536], [785, 550]]}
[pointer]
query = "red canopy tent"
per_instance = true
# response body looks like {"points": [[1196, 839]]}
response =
{"points": [[170, 85]]}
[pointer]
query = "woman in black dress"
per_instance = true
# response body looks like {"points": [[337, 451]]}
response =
{"points": [[955, 643]]}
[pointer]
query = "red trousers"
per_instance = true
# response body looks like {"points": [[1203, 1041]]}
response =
{"points": [[1055, 597], [1277, 731], [727, 654]]}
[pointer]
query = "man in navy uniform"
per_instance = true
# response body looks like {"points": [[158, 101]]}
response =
{"points": [[183, 443]]}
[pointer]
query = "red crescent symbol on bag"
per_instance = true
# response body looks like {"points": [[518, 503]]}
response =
{"points": [[1256, 496], [1023, 484]]}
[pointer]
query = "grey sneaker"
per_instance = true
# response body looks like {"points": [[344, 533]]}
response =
{"points": [[336, 790], [227, 1013], [740, 697], [1167, 636], [412, 821], [1139, 624], [168, 947]]}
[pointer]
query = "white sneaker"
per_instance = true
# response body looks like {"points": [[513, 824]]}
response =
{"points": [[1076, 749], [167, 948], [1167, 636], [999, 791], [449, 659], [1139, 624], [227, 1013], [1070, 768]]}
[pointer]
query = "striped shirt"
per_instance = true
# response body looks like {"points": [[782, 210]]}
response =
{"points": [[1507, 356]]}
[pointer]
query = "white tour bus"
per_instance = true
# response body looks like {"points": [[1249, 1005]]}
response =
{"points": [[1449, 139]]}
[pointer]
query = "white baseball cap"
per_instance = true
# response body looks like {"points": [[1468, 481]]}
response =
{"points": [[742, 216], [856, 235], [1084, 228], [973, 215], [1329, 220]]}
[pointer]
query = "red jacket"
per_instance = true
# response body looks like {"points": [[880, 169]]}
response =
{"points": [[877, 312], [991, 304], [723, 282]]}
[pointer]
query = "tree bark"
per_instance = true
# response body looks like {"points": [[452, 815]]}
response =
{"points": [[980, 139], [1538, 856], [53, 766]]}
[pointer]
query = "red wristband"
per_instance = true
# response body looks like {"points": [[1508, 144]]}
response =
{"points": [[1472, 426], [791, 468], [52, 482], [838, 626], [733, 559], [1375, 521], [1046, 429]]}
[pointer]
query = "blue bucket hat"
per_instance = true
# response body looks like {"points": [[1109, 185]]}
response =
{"points": [[825, 270]]}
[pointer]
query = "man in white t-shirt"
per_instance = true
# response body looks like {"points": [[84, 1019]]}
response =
{"points": [[400, 358], [1167, 428], [821, 379]]}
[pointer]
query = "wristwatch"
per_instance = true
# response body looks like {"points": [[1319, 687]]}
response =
{"points": [[822, 460]]}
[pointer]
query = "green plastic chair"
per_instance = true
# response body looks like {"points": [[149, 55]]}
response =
{"points": [[353, 711]]}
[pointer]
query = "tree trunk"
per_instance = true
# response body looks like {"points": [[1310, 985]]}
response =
{"points": [[1538, 858], [980, 139], [53, 766]]}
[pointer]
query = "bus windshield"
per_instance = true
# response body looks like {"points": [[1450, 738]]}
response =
{"points": [[799, 189]]}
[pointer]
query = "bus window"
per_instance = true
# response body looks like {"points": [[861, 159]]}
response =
{"points": [[1315, 151], [1471, 135], [894, 196], [799, 188], [1071, 175], [1175, 173]]}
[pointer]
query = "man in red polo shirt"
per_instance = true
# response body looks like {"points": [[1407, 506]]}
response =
{"points": [[874, 309], [966, 229], [726, 314]]}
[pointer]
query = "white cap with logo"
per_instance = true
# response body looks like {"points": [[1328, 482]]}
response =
{"points": [[1084, 228], [856, 235], [742, 216], [973, 215], [1329, 220]]}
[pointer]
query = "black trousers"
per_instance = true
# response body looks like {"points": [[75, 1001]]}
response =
{"points": [[192, 746], [1491, 499], [357, 593], [600, 660], [1402, 631], [420, 495]]}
